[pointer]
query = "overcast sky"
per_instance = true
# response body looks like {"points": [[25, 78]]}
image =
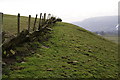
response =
{"points": [[68, 10]]}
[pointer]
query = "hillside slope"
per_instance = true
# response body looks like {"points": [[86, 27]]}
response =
{"points": [[10, 23], [71, 52]]}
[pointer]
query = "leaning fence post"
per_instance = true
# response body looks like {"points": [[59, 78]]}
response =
{"points": [[49, 15], [1, 26], [44, 19], [1, 21], [2, 18], [40, 21], [1, 39], [18, 23], [35, 22], [29, 23]]}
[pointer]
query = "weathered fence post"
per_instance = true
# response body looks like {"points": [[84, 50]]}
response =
{"points": [[1, 26], [1, 21], [44, 19], [29, 23], [18, 23], [2, 18], [49, 15], [44, 16], [40, 21], [1, 38], [1, 32], [35, 22]]}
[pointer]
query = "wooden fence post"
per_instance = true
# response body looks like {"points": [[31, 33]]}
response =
{"points": [[29, 23], [40, 21], [49, 15], [44, 19], [18, 23], [1, 24], [2, 19], [35, 22], [1, 40]]}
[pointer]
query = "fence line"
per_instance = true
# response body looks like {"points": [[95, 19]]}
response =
{"points": [[44, 25]]}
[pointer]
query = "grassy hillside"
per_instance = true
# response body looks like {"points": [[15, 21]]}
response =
{"points": [[10, 23], [113, 38], [71, 52]]}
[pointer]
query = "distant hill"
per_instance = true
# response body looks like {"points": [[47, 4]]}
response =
{"points": [[105, 23]]}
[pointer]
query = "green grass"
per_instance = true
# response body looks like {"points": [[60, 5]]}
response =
{"points": [[113, 38], [71, 52], [10, 23]]}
